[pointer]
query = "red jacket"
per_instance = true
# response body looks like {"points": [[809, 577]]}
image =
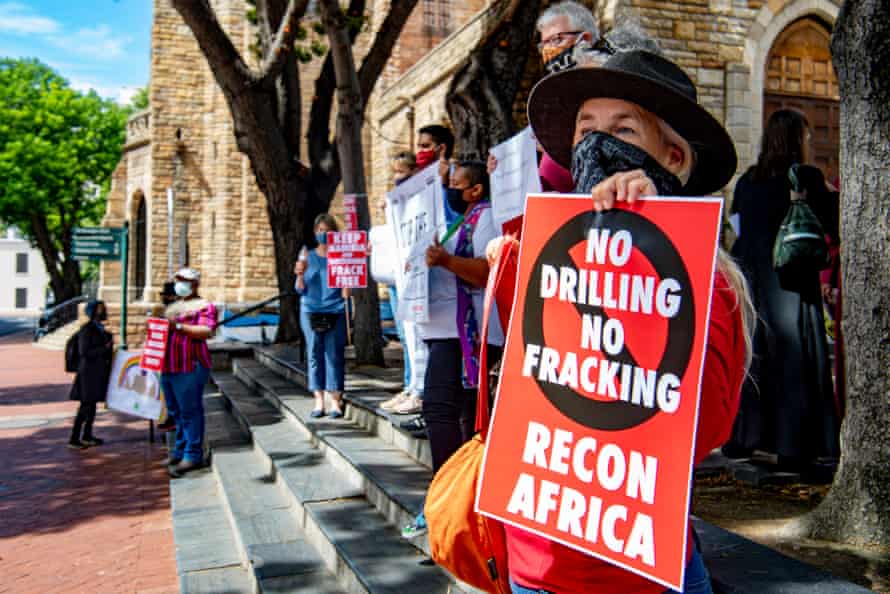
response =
{"points": [[540, 564]]}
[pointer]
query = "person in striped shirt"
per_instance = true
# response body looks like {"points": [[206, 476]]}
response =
{"points": [[186, 369]]}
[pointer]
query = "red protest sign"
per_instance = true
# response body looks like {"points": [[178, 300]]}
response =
{"points": [[347, 259], [350, 212], [593, 432], [155, 348]]}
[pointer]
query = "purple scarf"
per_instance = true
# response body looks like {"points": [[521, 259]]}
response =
{"points": [[467, 327]]}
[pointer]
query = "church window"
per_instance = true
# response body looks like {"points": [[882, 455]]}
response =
{"points": [[437, 17]]}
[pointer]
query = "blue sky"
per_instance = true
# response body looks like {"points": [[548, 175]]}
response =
{"points": [[98, 44]]}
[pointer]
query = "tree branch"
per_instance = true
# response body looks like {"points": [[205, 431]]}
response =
{"points": [[319, 133], [282, 45], [227, 65], [386, 38]]}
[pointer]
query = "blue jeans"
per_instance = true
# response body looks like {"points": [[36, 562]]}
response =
{"points": [[400, 329], [325, 355], [187, 391], [695, 582]]}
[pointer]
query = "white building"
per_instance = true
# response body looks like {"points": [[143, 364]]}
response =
{"points": [[24, 277]]}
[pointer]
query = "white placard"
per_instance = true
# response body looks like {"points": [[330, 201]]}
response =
{"points": [[515, 177], [383, 254], [418, 352], [415, 212], [132, 389]]}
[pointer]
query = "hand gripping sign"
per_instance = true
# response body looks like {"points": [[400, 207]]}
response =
{"points": [[155, 348], [347, 259], [593, 432]]}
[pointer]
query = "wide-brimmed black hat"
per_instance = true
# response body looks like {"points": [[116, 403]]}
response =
{"points": [[650, 81]]}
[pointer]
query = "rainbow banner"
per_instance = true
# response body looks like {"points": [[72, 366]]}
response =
{"points": [[134, 390]]}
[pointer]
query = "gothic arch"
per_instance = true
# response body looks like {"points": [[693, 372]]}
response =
{"points": [[764, 32], [139, 217]]}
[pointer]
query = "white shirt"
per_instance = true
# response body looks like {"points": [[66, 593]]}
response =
{"points": [[443, 290]]}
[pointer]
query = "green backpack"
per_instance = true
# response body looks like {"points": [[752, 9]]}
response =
{"points": [[800, 249]]}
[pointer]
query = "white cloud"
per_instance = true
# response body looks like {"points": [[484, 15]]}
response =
{"points": [[98, 42], [22, 20], [122, 94]]}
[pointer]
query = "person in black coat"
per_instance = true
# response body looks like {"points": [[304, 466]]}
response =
{"points": [[787, 402], [91, 382]]}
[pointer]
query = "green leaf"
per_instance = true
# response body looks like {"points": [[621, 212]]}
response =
{"points": [[55, 144]]}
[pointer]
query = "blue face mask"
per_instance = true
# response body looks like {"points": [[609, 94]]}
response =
{"points": [[321, 238]]}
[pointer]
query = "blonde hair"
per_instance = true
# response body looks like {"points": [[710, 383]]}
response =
{"points": [[725, 264], [737, 283]]}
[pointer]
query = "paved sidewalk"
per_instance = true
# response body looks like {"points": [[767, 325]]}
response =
{"points": [[92, 522]]}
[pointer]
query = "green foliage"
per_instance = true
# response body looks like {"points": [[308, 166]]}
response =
{"points": [[310, 35], [58, 148], [140, 99]]}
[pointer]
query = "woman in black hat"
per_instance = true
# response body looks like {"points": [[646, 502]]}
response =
{"points": [[94, 346], [634, 128]]}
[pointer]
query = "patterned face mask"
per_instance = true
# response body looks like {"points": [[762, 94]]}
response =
{"points": [[599, 156]]}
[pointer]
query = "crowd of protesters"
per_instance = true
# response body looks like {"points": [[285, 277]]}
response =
{"points": [[615, 120]]}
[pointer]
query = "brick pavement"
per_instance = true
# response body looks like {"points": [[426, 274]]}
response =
{"points": [[96, 521]]}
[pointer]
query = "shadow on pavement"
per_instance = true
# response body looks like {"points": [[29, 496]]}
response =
{"points": [[46, 487]]}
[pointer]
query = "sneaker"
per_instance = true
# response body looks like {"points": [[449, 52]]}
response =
{"points": [[76, 444], [394, 402], [416, 427], [171, 461], [184, 467], [411, 406], [416, 528], [92, 441]]}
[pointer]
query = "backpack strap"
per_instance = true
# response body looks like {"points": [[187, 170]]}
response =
{"points": [[495, 275]]}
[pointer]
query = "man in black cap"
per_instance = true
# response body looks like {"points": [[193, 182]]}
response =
{"points": [[94, 347]]}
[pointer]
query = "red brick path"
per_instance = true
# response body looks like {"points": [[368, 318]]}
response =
{"points": [[92, 522]]}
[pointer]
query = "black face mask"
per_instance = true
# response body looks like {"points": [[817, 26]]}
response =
{"points": [[561, 61], [599, 156], [456, 200]]}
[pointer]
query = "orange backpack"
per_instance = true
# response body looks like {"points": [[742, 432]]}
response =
{"points": [[471, 546]]}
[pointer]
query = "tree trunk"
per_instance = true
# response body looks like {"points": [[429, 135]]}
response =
{"points": [[857, 508], [481, 97], [64, 277], [367, 336], [265, 108]]}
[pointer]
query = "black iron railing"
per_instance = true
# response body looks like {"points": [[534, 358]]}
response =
{"points": [[257, 307], [58, 316]]}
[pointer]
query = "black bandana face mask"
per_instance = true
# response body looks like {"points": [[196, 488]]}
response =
{"points": [[561, 61], [599, 156]]}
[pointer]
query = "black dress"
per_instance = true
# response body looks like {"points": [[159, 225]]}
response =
{"points": [[787, 404], [91, 382]]}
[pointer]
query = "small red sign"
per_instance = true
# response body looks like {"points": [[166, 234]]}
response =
{"points": [[348, 259], [155, 348], [350, 212]]}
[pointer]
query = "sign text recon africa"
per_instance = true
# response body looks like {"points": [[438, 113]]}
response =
{"points": [[587, 459]]}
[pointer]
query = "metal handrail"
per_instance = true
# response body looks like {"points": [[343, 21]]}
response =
{"points": [[257, 307], [58, 316]]}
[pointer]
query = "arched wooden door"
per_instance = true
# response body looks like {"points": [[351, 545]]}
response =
{"points": [[140, 246], [800, 75]]}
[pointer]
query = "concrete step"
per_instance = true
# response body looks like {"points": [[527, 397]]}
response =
{"points": [[394, 482], [270, 540], [55, 341], [355, 542], [207, 558], [364, 392]]}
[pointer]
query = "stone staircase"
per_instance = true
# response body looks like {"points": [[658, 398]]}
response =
{"points": [[297, 505], [294, 505], [55, 341]]}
